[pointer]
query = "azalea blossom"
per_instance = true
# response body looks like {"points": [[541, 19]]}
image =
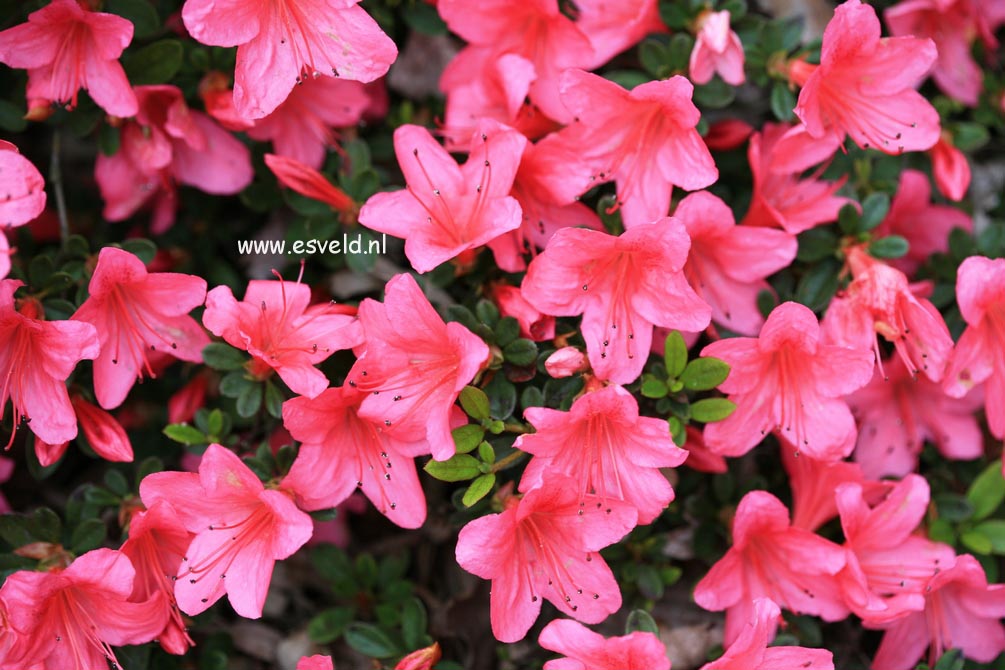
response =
{"points": [[72, 618], [962, 611], [36, 357], [788, 381], [888, 566], [613, 27], [276, 324], [66, 47], [727, 264], [980, 292], [533, 325], [421, 659], [771, 559], [879, 301], [813, 484], [950, 168], [717, 49], [342, 452], [604, 446], [414, 366], [445, 209], [280, 44], [22, 189], [241, 529], [309, 182], [863, 88], [623, 286], [898, 412], [316, 662], [136, 312], [543, 545], [586, 650], [926, 226], [644, 139], [750, 650]]}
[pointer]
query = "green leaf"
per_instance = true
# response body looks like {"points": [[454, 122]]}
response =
{"points": [[475, 403], [950, 660], [458, 468], [970, 136], [479, 489], [487, 453], [220, 356], [45, 525], [521, 352], [109, 140], [414, 621], [649, 582], [987, 492], [185, 434], [703, 374], [12, 117], [89, 534], [502, 397], [678, 431], [328, 626], [874, 209], [675, 354], [783, 101], [156, 63], [423, 18], [818, 285], [994, 531], [640, 621], [116, 482], [370, 640], [140, 13], [674, 14], [250, 400], [891, 246], [710, 410], [816, 244], [653, 56], [953, 507], [487, 312], [274, 400], [848, 219], [507, 331], [653, 387], [463, 316], [976, 542], [716, 94], [467, 437]]}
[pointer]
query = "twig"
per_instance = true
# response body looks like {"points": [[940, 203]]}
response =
{"points": [[56, 178]]}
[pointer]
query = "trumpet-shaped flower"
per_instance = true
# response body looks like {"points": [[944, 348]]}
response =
{"points": [[586, 650], [788, 381], [717, 49], [22, 189], [241, 529], [623, 286], [544, 545]]}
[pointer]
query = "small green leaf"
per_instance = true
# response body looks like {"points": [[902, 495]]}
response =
{"points": [[970, 136], [640, 621], [185, 434], [116, 482], [848, 219], [467, 437], [156, 63], [220, 356], [370, 640], [874, 209], [109, 140], [987, 492], [891, 246], [953, 507], [458, 468], [328, 626], [140, 13], [475, 403], [816, 244], [703, 374], [414, 621], [507, 331], [520, 352], [87, 536], [783, 101], [994, 531], [710, 410], [273, 400], [675, 354], [487, 453], [950, 660], [487, 312], [250, 400], [12, 117], [649, 582], [678, 431], [479, 489], [653, 387], [818, 285]]}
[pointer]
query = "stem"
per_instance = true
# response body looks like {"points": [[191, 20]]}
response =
{"points": [[56, 177], [508, 461]]}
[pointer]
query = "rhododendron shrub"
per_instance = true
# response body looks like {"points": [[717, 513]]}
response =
{"points": [[455, 335]]}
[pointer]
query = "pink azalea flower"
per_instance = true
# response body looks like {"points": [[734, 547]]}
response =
{"points": [[218, 99], [717, 49], [604, 446], [924, 225], [782, 197], [316, 662], [879, 301], [727, 134], [72, 618], [727, 263], [36, 357], [301, 127], [813, 484], [788, 381], [168, 142], [952, 26], [898, 412], [6, 470], [5, 254], [136, 312], [104, 433], [615, 27], [445, 209], [414, 366], [750, 650], [342, 452], [241, 530], [65, 47], [309, 182], [980, 293], [961, 611], [888, 566], [771, 559], [535, 30], [950, 168], [544, 545], [276, 324], [700, 457], [644, 139], [533, 324], [280, 44], [623, 286], [156, 545], [189, 399], [585, 650], [864, 88], [22, 189]]}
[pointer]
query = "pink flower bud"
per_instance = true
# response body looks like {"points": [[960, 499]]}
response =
{"points": [[566, 362], [421, 659]]}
